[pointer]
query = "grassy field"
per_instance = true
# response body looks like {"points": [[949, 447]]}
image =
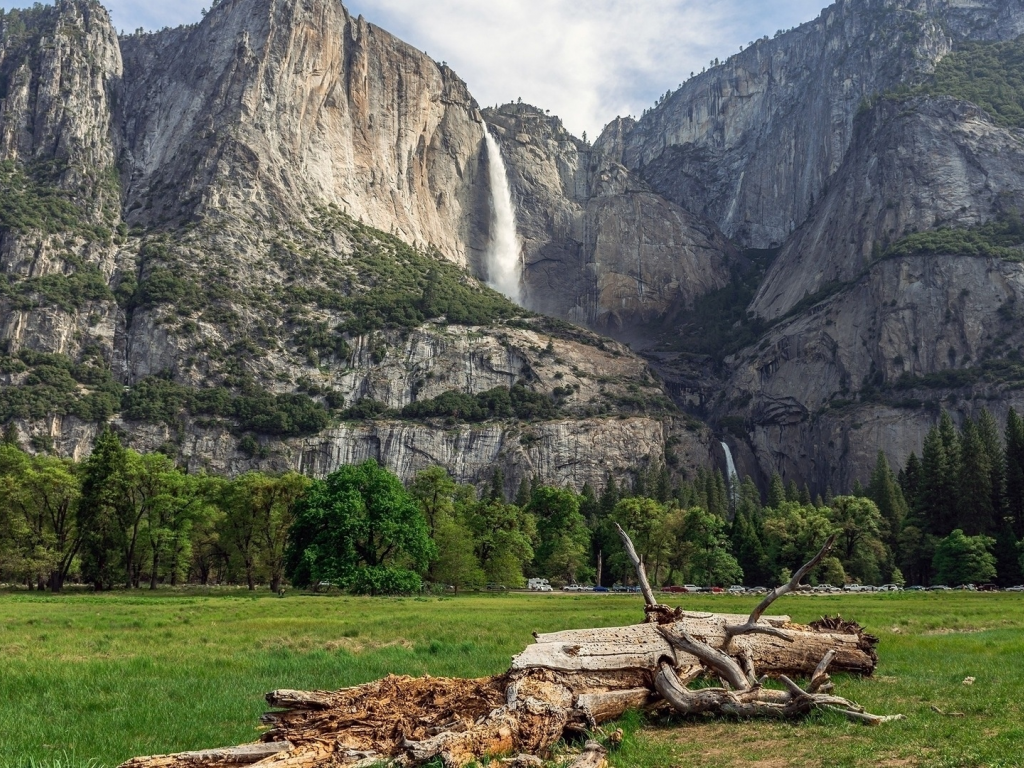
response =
{"points": [[94, 679]]}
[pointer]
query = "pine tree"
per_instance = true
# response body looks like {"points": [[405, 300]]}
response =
{"points": [[910, 481], [776, 491], [1014, 468], [609, 496], [805, 495], [97, 513], [886, 493], [988, 431], [497, 492], [1008, 553], [523, 494], [792, 492], [974, 505], [936, 501]]}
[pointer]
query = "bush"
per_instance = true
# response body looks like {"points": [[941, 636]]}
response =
{"points": [[383, 580]]}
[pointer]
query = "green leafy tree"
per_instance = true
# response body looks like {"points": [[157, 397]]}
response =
{"points": [[643, 519], [962, 559], [793, 534], [502, 538], [359, 527], [710, 561], [42, 493], [859, 548], [97, 510], [456, 562], [563, 538]]}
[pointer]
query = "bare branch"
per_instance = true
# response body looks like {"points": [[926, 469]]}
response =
{"points": [[775, 594], [641, 574], [820, 676], [723, 664]]}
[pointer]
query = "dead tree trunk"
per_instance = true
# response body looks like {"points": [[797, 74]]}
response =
{"points": [[566, 682]]}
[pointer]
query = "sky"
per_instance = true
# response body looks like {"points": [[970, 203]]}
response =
{"points": [[615, 57]]}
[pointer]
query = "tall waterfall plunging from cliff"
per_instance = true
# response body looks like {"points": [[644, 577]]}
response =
{"points": [[733, 478], [504, 265]]}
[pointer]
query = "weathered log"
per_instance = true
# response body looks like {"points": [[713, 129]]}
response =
{"points": [[566, 682]]}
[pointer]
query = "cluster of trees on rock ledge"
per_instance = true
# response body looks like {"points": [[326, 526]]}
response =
{"points": [[124, 519]]}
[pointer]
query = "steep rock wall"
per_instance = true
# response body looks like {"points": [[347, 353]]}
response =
{"points": [[600, 248], [869, 368], [914, 165], [752, 142], [294, 102]]}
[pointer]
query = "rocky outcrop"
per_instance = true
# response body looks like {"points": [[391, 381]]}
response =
{"points": [[293, 102], [914, 165], [752, 142], [870, 367], [600, 248]]}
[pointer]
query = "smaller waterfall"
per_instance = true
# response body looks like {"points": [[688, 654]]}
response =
{"points": [[733, 478], [504, 265]]}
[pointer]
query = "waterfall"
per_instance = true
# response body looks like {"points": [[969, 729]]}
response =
{"points": [[733, 477], [503, 255]]}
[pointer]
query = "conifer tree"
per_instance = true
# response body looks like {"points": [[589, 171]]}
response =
{"points": [[523, 494], [974, 506], [497, 492], [936, 501], [910, 481], [609, 496], [805, 495], [988, 432], [776, 491], [1014, 468], [792, 492], [885, 492]]}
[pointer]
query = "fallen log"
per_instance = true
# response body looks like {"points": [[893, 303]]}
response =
{"points": [[565, 683]]}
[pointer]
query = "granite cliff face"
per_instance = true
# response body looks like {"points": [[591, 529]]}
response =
{"points": [[599, 247], [915, 165], [293, 101], [869, 368]]}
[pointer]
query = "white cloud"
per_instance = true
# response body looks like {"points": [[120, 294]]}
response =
{"points": [[585, 61]]}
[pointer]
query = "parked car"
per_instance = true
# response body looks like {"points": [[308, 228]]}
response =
{"points": [[692, 588], [736, 589], [619, 588], [916, 588], [496, 587], [890, 588], [967, 588], [599, 588], [757, 590], [988, 588], [1018, 588], [673, 588], [717, 590], [939, 588]]}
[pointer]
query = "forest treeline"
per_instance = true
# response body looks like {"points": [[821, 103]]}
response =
{"points": [[124, 519]]}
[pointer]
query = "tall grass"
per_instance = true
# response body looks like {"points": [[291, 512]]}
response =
{"points": [[90, 680]]}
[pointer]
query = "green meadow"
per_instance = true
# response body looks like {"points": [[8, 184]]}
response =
{"points": [[91, 680]]}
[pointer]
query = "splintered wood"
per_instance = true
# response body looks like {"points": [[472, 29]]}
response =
{"points": [[565, 684]]}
